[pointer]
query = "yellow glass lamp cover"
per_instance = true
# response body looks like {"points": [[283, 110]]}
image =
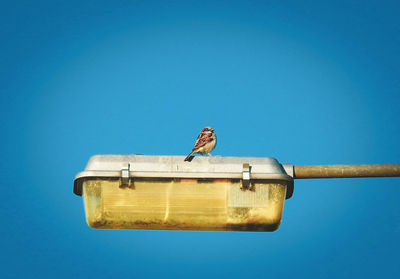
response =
{"points": [[167, 193]]}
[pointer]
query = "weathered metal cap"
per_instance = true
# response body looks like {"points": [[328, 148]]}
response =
{"points": [[149, 166]]}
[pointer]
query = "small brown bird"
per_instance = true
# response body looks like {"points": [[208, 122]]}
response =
{"points": [[204, 144]]}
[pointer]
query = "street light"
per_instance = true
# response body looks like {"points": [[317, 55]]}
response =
{"points": [[209, 193]]}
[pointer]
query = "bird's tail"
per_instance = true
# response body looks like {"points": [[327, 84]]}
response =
{"points": [[189, 157]]}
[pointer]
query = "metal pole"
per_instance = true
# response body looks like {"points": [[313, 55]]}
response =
{"points": [[346, 171]]}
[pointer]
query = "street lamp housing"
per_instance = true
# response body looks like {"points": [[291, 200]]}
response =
{"points": [[166, 193]]}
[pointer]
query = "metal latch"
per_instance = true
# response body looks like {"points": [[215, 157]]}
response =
{"points": [[246, 176], [125, 179]]}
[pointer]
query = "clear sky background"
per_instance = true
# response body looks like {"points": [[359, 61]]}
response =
{"points": [[306, 82]]}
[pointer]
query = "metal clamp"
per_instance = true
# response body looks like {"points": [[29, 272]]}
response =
{"points": [[125, 179], [246, 176]]}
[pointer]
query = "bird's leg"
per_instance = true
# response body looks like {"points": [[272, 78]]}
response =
{"points": [[209, 154]]}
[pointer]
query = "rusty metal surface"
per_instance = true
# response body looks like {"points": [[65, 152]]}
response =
{"points": [[347, 171]]}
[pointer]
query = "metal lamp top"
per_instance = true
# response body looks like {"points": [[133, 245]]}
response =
{"points": [[114, 166]]}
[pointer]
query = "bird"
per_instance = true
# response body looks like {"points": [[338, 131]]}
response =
{"points": [[204, 144]]}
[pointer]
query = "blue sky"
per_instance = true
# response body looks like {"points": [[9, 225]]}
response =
{"points": [[306, 82]]}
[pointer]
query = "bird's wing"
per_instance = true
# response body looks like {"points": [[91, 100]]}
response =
{"points": [[202, 140]]}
